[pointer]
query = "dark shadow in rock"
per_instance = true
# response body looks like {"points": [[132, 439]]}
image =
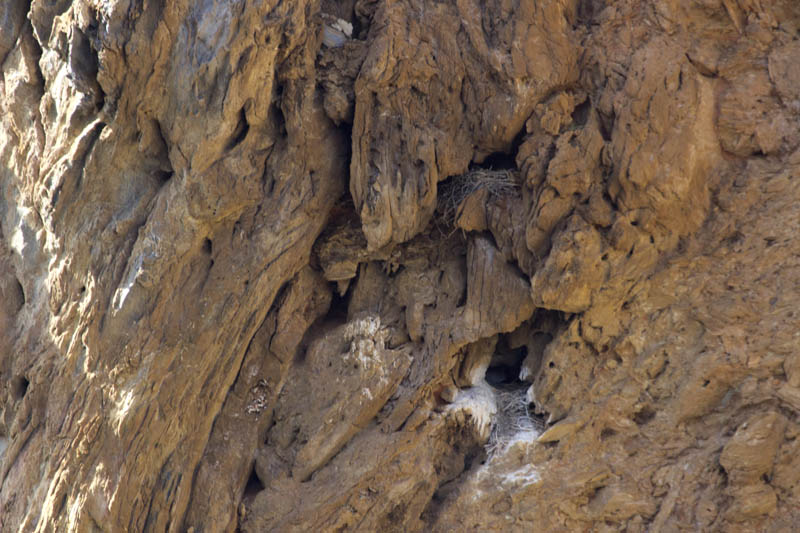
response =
{"points": [[253, 485], [580, 115], [504, 368], [240, 132], [19, 387]]}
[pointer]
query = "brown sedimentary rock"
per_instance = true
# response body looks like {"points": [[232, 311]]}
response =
{"points": [[250, 277]]}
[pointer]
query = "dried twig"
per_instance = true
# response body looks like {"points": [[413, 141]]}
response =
{"points": [[453, 191], [513, 421]]}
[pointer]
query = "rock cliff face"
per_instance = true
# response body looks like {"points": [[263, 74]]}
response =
{"points": [[399, 265]]}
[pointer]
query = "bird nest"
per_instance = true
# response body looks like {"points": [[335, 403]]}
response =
{"points": [[454, 191], [513, 423]]}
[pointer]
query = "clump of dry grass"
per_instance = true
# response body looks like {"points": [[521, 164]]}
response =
{"points": [[454, 190], [513, 421]]}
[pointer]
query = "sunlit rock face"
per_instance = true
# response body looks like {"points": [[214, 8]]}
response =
{"points": [[363, 265]]}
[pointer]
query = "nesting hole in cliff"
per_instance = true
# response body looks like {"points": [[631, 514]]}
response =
{"points": [[514, 421], [498, 161], [503, 160], [580, 115], [253, 485], [340, 302], [505, 366], [453, 191], [19, 387], [83, 61], [346, 131], [207, 246]]}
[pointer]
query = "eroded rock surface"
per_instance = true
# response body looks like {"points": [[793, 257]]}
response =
{"points": [[371, 265]]}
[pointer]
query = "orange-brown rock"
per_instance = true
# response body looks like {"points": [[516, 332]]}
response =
{"points": [[399, 265]]}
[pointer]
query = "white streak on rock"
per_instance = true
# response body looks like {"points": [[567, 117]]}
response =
{"points": [[479, 403]]}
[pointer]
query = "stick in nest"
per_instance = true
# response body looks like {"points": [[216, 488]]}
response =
{"points": [[454, 190], [513, 422]]}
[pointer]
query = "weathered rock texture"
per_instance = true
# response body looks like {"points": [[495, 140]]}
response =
{"points": [[252, 282]]}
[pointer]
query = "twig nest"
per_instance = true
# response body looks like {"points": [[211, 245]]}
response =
{"points": [[453, 192]]}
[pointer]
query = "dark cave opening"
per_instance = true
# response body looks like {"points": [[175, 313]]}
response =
{"points": [[504, 160], [499, 161], [506, 365], [253, 485], [340, 303], [580, 115], [19, 387]]}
